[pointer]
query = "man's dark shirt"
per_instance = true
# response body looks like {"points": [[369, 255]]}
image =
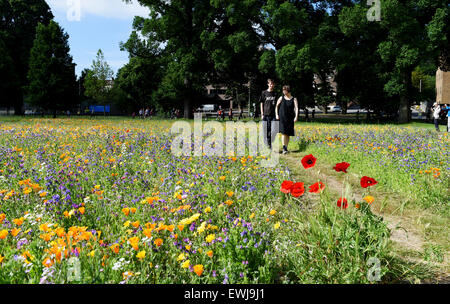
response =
{"points": [[269, 102]]}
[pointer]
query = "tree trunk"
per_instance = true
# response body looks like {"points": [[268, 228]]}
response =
{"points": [[188, 100], [404, 112]]}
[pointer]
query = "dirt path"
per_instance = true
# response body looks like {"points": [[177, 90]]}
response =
{"points": [[408, 234]]}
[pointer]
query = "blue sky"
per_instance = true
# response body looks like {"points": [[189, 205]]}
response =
{"points": [[94, 25]]}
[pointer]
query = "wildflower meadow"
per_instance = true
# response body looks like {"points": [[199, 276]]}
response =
{"points": [[104, 201]]}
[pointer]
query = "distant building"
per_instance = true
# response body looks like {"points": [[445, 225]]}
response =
{"points": [[216, 94]]}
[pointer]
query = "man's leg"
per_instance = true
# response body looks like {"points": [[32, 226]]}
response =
{"points": [[269, 131]]}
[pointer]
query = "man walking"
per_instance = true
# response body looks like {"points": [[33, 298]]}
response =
{"points": [[268, 102]]}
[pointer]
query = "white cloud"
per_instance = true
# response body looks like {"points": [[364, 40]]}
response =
{"points": [[115, 9]]}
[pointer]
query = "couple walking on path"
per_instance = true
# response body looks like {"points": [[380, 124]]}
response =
{"points": [[279, 116]]}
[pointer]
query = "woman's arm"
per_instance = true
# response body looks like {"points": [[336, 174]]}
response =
{"points": [[276, 108], [296, 109]]}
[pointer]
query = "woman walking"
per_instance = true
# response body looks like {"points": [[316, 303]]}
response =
{"points": [[286, 112]]}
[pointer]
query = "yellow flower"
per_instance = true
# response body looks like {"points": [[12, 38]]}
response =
{"points": [[222, 178], [1, 258], [369, 199], [126, 224], [141, 255], [230, 193], [252, 215], [210, 238], [272, 212], [201, 228], [277, 225], [186, 264], [207, 210], [181, 257], [92, 253]]}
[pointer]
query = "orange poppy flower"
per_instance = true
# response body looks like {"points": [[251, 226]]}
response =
{"points": [[18, 221], [3, 234], [210, 253], [47, 263], [147, 233], [158, 242], [135, 224], [126, 211], [198, 269], [15, 232], [82, 210], [115, 248], [170, 228]]}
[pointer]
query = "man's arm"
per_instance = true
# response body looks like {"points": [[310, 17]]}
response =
{"points": [[261, 104]]}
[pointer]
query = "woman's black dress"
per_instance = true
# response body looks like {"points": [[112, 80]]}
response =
{"points": [[287, 115]]}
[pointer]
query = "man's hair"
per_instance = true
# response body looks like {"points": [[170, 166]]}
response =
{"points": [[271, 80], [287, 88]]}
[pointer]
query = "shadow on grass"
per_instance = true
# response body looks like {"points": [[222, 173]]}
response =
{"points": [[407, 272]]}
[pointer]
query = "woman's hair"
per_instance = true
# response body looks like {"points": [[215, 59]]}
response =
{"points": [[287, 88]]}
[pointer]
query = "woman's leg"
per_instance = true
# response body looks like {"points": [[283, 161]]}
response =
{"points": [[285, 140]]}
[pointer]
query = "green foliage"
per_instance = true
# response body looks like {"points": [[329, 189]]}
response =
{"points": [[51, 74], [18, 21], [95, 83]]}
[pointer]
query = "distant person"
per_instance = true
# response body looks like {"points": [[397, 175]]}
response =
{"points": [[141, 112], [447, 108], [436, 109], [147, 112], [286, 112], [267, 102], [133, 115], [230, 114], [241, 114]]}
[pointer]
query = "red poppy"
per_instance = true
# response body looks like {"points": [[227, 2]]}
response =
{"points": [[342, 202], [341, 167], [317, 187], [309, 161], [286, 186], [367, 182], [298, 189]]}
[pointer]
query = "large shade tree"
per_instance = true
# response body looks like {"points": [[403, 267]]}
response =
{"points": [[178, 25], [51, 75], [18, 22]]}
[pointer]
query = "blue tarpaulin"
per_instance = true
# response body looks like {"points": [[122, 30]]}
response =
{"points": [[99, 109]]}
